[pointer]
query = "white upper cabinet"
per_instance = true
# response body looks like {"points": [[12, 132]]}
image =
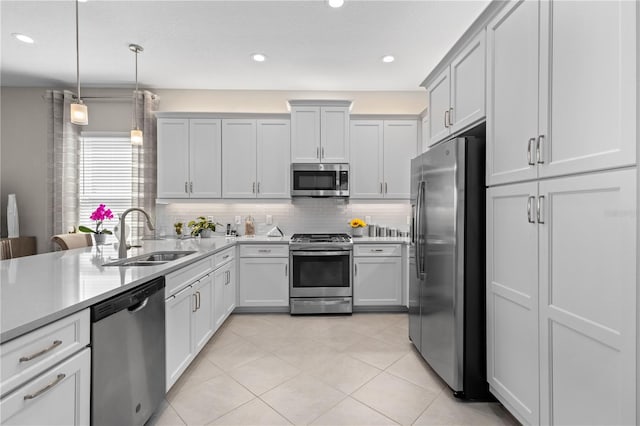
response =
{"points": [[273, 158], [239, 158], [320, 131], [457, 95], [380, 158], [189, 158], [561, 97], [255, 158]]}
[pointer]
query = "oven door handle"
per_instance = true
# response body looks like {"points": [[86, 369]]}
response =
{"points": [[321, 253]]}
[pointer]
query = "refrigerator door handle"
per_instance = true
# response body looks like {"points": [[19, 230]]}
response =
{"points": [[419, 240]]}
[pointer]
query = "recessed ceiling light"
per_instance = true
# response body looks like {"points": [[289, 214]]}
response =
{"points": [[388, 59], [336, 3], [23, 38], [258, 57]]}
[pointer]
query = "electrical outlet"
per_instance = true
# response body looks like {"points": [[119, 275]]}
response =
{"points": [[269, 219], [408, 220], [238, 220], [209, 218], [367, 219]]}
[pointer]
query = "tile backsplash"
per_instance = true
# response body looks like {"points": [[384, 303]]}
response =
{"points": [[292, 216]]}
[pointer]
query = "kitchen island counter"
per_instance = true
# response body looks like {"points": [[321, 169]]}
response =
{"points": [[37, 290]]}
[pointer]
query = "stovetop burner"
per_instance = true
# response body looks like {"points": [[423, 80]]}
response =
{"points": [[321, 238]]}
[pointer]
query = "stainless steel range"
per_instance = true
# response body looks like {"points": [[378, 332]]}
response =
{"points": [[321, 280]]}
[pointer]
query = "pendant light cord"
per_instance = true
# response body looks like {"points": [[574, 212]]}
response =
{"points": [[78, 53], [135, 95]]}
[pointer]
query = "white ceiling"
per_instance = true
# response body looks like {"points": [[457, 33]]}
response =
{"points": [[207, 44]]}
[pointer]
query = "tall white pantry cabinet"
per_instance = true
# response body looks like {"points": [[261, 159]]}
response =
{"points": [[562, 296]]}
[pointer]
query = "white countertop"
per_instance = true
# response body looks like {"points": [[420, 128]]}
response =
{"points": [[37, 290], [381, 240]]}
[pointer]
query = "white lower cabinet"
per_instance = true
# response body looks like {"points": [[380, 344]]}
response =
{"points": [[264, 278], [59, 396], [203, 314], [377, 275], [561, 298], [224, 293]]}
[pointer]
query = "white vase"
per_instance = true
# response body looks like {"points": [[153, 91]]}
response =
{"points": [[357, 232], [12, 217], [99, 238]]}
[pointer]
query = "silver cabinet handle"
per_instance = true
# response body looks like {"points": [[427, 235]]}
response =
{"points": [[381, 187], [225, 256], [264, 250], [286, 270], [318, 152], [530, 218], [198, 293], [190, 186], [37, 393], [385, 188], [195, 303], [322, 152], [539, 208], [376, 250], [355, 269], [258, 187], [186, 187], [539, 153], [254, 188], [530, 152], [54, 345], [446, 121], [450, 115], [227, 277]]}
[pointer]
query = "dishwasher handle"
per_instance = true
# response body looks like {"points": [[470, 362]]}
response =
{"points": [[133, 300]]}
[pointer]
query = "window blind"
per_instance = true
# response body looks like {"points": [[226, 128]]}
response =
{"points": [[105, 175]]}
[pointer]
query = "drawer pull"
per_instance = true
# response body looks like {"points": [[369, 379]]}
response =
{"points": [[376, 250], [225, 256], [264, 251], [46, 388], [54, 345]]}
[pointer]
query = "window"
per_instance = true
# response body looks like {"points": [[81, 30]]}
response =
{"points": [[105, 174]]}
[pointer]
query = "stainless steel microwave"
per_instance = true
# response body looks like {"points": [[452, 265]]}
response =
{"points": [[319, 180]]}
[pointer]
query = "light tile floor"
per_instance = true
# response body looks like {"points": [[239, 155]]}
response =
{"points": [[275, 369]]}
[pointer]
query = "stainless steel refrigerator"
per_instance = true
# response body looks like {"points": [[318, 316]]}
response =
{"points": [[447, 275]]}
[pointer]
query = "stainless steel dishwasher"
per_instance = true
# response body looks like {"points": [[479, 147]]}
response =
{"points": [[128, 356]]}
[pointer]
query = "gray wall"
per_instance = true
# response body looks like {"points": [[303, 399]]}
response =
{"points": [[23, 136]]}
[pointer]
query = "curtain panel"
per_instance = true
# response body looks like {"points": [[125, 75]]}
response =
{"points": [[144, 164], [63, 139]]}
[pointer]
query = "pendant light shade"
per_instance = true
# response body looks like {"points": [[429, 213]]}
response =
{"points": [[136, 133], [79, 111]]}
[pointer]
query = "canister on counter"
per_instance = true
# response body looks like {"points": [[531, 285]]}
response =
{"points": [[373, 230], [393, 232], [382, 231]]}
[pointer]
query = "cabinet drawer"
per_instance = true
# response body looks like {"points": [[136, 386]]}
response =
{"points": [[377, 250], [27, 356], [264, 250], [59, 396], [177, 279], [223, 257]]}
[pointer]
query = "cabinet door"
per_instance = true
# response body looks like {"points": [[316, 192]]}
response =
{"points": [[178, 314], [203, 321], [424, 135], [219, 284], [439, 102], [588, 297], [468, 84], [273, 159], [367, 158], [591, 79], [334, 135], [205, 159], [377, 281], [173, 158], [66, 402], [400, 143], [512, 92], [239, 158], [264, 282], [512, 298], [230, 290], [305, 134]]}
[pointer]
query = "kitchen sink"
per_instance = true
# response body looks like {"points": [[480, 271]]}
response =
{"points": [[150, 259]]}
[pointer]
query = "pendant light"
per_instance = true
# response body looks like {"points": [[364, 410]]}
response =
{"points": [[79, 111], [136, 133]]}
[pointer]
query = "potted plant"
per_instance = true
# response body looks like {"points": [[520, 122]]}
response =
{"points": [[357, 227], [201, 226], [101, 214]]}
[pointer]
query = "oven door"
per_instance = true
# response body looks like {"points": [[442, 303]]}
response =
{"points": [[320, 273]]}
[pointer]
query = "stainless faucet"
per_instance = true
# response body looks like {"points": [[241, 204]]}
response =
{"points": [[122, 248]]}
